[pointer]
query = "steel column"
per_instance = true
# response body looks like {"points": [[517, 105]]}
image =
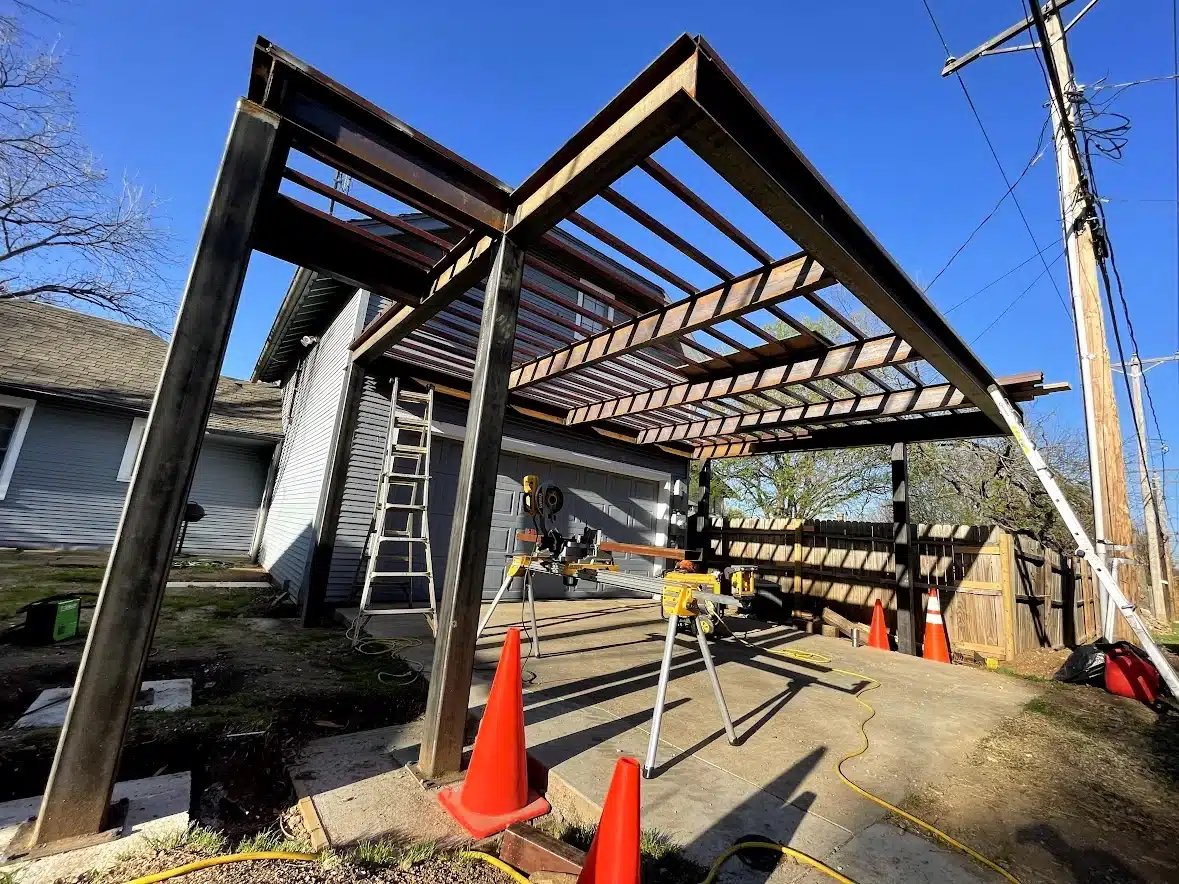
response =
{"points": [[908, 598], [84, 769], [454, 653]]}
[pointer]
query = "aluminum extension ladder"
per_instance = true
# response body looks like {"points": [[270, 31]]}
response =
{"points": [[398, 543]]}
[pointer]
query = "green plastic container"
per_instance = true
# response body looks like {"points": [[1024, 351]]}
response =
{"points": [[53, 620]]}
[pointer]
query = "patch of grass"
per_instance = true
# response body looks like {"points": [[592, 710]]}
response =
{"points": [[271, 840], [194, 836], [170, 839], [7, 877], [662, 858], [383, 852]]}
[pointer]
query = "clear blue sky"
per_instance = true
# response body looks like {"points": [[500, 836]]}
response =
{"points": [[856, 84]]}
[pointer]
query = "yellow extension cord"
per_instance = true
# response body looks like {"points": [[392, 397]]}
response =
{"points": [[824, 660], [222, 860], [798, 855]]}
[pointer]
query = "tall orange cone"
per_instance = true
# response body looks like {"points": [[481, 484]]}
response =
{"points": [[613, 856], [935, 646], [878, 635], [495, 793]]}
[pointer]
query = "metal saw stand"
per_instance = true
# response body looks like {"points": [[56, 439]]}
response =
{"points": [[661, 692], [515, 567]]}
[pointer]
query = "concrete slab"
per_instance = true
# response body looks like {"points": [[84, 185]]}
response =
{"points": [[361, 790], [882, 852], [49, 709], [157, 805], [589, 699]]}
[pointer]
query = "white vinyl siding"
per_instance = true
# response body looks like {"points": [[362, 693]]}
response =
{"points": [[289, 535]]}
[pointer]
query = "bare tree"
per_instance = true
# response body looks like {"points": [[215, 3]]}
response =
{"points": [[69, 234]]}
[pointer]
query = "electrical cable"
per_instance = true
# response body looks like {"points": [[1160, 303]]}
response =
{"points": [[995, 155], [993, 282], [376, 647], [497, 863], [1015, 300], [223, 860], [1036, 155]]}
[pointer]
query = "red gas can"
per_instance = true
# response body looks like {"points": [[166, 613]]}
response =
{"points": [[1128, 675]]}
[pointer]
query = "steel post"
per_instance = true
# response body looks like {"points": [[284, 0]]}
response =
{"points": [[88, 752], [462, 593]]}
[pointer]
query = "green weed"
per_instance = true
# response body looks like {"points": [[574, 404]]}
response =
{"points": [[383, 852], [269, 840]]}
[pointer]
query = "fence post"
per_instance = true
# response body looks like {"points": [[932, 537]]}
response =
{"points": [[1007, 582]]}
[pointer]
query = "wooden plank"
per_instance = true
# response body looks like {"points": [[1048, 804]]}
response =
{"points": [[927, 429], [845, 359], [786, 279], [913, 401], [445, 720], [461, 269]]}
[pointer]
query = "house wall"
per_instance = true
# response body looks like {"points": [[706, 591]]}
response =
{"points": [[315, 394], [65, 491], [624, 491]]}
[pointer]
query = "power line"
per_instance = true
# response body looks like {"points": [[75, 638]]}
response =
{"points": [[1017, 298], [1036, 154], [995, 154], [993, 282], [1175, 82]]}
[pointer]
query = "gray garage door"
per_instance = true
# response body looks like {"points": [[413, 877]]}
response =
{"points": [[622, 507]]}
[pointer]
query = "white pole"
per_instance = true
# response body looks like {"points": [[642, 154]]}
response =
{"points": [[1084, 545]]}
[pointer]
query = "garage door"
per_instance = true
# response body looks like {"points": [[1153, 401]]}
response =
{"points": [[624, 508]]}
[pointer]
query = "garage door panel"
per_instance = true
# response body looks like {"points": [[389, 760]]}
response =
{"points": [[621, 507]]}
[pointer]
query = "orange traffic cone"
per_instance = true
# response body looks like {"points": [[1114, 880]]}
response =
{"points": [[495, 793], [878, 635], [613, 856], [935, 646]]}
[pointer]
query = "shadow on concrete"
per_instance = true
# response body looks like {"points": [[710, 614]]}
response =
{"points": [[1087, 865], [563, 748], [766, 815]]}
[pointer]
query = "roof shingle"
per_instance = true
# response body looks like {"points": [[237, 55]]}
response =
{"points": [[59, 352]]}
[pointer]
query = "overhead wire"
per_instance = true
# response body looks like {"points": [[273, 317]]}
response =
{"points": [[1016, 299], [995, 155], [999, 279]]}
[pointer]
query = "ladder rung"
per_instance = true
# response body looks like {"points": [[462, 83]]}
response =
{"points": [[410, 449], [402, 573], [408, 476], [399, 539], [419, 507], [413, 397]]}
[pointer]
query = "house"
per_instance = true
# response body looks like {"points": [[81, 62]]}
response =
{"points": [[326, 483], [75, 390]]}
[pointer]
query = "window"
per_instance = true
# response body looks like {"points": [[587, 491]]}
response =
{"points": [[131, 449], [14, 421], [593, 305]]}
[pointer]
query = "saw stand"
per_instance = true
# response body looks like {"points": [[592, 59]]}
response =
{"points": [[683, 604]]}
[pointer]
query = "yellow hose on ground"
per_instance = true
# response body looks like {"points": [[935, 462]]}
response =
{"points": [[872, 684], [497, 863], [222, 860], [804, 858]]}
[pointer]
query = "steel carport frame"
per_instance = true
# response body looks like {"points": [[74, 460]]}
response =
{"points": [[521, 355]]}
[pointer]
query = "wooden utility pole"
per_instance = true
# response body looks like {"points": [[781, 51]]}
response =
{"points": [[1157, 594], [1107, 472], [1168, 559]]}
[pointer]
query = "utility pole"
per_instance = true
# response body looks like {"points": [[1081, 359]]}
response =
{"points": [[1107, 472], [1158, 597], [1168, 560]]}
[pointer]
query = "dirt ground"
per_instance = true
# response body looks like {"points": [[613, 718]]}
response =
{"points": [[1079, 787], [262, 687]]}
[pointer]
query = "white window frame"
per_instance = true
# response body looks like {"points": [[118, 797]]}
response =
{"points": [[131, 449], [18, 438], [607, 318]]}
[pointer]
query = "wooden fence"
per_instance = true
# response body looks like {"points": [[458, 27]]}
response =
{"points": [[1002, 594]]}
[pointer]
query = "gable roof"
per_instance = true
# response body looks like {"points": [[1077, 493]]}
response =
{"points": [[64, 353]]}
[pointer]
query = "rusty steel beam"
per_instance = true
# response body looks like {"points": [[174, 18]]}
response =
{"points": [[665, 233], [295, 232], [787, 278], [624, 248], [704, 210], [885, 350], [736, 137]]}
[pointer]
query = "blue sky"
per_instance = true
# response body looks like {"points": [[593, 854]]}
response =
{"points": [[856, 85]]}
